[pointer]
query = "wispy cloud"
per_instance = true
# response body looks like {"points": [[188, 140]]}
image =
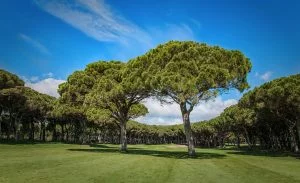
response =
{"points": [[95, 19], [265, 76], [196, 23], [34, 43]]}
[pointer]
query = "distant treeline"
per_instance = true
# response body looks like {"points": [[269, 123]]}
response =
{"points": [[268, 116]]}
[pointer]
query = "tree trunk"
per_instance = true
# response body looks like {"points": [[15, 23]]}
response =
{"points": [[0, 123], [31, 136], [0, 131], [123, 138], [62, 132], [43, 131], [247, 138], [67, 130], [16, 133], [298, 129], [188, 130], [17, 130], [54, 134], [238, 141], [294, 144]]}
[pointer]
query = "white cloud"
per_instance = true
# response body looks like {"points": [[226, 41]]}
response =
{"points": [[47, 86], [265, 76], [34, 43], [168, 114], [95, 19]]}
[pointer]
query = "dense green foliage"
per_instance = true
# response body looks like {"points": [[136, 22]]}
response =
{"points": [[9, 80], [277, 108], [21, 108], [143, 163]]}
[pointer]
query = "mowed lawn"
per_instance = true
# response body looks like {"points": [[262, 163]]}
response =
{"points": [[143, 163]]}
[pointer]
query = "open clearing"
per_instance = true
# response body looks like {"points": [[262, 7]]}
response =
{"points": [[143, 163]]}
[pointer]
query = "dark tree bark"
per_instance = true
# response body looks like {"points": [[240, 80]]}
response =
{"points": [[0, 130], [43, 131], [294, 144], [0, 124], [62, 132], [238, 141], [31, 136], [247, 138], [54, 134], [16, 129], [298, 129]]}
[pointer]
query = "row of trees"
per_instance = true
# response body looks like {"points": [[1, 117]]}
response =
{"points": [[96, 103], [267, 115], [21, 107], [276, 108]]}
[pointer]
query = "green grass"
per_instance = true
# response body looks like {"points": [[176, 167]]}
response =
{"points": [[143, 163]]}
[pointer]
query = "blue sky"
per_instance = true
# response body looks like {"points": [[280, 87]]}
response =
{"points": [[45, 41]]}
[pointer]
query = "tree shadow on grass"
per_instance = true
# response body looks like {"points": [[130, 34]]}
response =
{"points": [[265, 153], [21, 142], [108, 147], [155, 153], [100, 146], [258, 151]]}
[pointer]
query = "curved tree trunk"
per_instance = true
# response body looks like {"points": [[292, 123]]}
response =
{"points": [[123, 138], [247, 138], [188, 129]]}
